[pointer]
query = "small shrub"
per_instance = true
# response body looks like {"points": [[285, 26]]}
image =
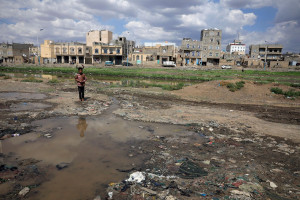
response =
{"points": [[277, 90], [235, 86], [7, 77], [295, 85], [2, 75]]}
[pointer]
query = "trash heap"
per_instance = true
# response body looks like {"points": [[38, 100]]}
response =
{"points": [[213, 163]]}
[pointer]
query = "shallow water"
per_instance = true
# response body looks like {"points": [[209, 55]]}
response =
{"points": [[94, 146], [28, 106]]}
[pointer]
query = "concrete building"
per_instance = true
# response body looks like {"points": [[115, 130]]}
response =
{"points": [[207, 51], [103, 36], [70, 52], [211, 45], [151, 54], [236, 47], [47, 52], [270, 52], [107, 52], [14, 53], [191, 52]]}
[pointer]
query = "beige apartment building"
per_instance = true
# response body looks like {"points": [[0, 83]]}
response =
{"points": [[270, 52], [70, 52], [103, 36], [106, 52]]}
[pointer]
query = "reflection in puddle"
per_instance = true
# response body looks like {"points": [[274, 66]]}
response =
{"points": [[81, 126], [104, 145]]}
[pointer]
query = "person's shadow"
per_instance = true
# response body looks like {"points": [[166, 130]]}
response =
{"points": [[81, 126]]}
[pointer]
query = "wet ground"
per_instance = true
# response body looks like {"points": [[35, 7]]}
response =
{"points": [[60, 148]]}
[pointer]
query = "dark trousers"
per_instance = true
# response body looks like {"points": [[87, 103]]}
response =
{"points": [[81, 92]]}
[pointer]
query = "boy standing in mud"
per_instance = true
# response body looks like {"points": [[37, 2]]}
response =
{"points": [[80, 79]]}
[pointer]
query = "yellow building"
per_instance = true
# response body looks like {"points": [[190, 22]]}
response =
{"points": [[47, 52], [102, 53]]}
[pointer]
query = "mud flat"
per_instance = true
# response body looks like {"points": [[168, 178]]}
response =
{"points": [[147, 143]]}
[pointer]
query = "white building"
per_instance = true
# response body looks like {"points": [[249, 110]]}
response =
{"points": [[236, 46]]}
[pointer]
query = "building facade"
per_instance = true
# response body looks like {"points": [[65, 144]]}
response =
{"points": [[14, 53], [211, 44], [236, 47], [103, 36], [266, 52], [190, 52]]}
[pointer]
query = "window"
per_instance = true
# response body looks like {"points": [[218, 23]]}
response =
{"points": [[199, 46], [105, 50], [138, 57], [111, 51], [210, 53], [217, 54], [133, 57], [217, 47], [118, 51], [164, 50], [57, 50], [187, 54], [198, 53], [218, 33], [210, 47], [193, 53], [188, 46], [64, 50], [72, 49], [193, 46], [79, 50], [211, 39], [97, 51]]}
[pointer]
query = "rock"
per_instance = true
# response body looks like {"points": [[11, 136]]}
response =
{"points": [[232, 161], [273, 185], [24, 191], [207, 162], [211, 129], [62, 165]]}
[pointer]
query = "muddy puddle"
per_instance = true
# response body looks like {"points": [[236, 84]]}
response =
{"points": [[93, 147]]}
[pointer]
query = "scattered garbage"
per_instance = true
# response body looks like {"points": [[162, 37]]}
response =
{"points": [[24, 191], [16, 135], [137, 177]]}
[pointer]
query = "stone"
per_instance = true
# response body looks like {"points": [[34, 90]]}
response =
{"points": [[24, 191], [170, 197], [273, 185], [62, 165]]}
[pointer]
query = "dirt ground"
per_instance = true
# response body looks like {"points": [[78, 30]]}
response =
{"points": [[246, 142]]}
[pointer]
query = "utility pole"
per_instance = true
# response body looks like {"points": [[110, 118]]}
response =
{"points": [[37, 39]]}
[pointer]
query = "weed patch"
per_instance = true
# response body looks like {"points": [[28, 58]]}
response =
{"points": [[235, 86], [289, 93], [53, 81]]}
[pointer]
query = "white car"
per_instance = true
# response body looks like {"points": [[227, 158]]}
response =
{"points": [[226, 67]]}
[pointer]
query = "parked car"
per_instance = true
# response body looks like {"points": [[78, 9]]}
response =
{"points": [[169, 64], [127, 64], [226, 67], [109, 63]]}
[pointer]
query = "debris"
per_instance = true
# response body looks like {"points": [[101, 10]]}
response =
{"points": [[24, 191], [189, 169], [273, 185], [237, 192], [211, 129], [149, 191], [110, 195], [137, 177]]}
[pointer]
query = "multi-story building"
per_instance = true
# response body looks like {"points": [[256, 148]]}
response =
{"points": [[190, 52], [236, 47], [103, 36], [14, 53], [107, 52], [266, 52], [203, 52], [70, 52], [211, 45]]}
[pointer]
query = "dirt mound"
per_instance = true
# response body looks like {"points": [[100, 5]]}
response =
{"points": [[251, 93]]}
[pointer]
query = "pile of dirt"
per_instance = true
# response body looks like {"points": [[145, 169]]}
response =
{"points": [[251, 93]]}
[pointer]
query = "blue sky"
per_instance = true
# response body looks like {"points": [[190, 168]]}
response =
{"points": [[257, 21]]}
